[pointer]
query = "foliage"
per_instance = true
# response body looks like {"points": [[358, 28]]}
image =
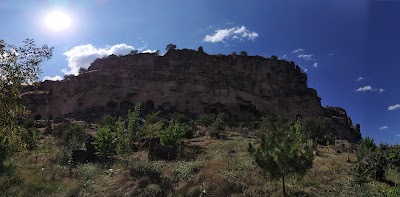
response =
{"points": [[243, 53], [19, 66], [320, 129], [82, 70], [105, 144], [173, 134], [153, 125], [218, 125], [133, 121], [205, 120], [69, 136], [108, 121], [234, 53], [170, 46], [123, 141], [274, 57], [31, 135], [133, 52], [284, 149], [69, 77], [373, 161]]}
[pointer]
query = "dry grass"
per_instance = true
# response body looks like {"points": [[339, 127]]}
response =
{"points": [[210, 167]]}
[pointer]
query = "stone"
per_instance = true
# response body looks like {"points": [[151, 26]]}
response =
{"points": [[245, 87]]}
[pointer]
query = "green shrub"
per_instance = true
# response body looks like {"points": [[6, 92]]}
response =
{"points": [[108, 121], [105, 144], [69, 136], [205, 120], [173, 135], [133, 121], [31, 135], [218, 125]]}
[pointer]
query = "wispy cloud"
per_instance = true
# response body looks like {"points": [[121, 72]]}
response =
{"points": [[330, 54], [393, 107], [383, 127], [233, 33], [284, 56], [305, 56], [55, 78], [398, 135], [365, 88], [381, 90], [315, 65], [297, 50], [360, 78], [305, 70]]}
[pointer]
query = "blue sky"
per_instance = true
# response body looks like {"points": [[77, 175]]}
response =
{"points": [[344, 45]]}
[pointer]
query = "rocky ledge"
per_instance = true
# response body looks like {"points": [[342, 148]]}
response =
{"points": [[189, 81]]}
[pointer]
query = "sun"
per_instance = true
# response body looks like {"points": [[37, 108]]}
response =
{"points": [[57, 21]]}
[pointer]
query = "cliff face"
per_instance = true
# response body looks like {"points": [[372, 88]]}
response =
{"points": [[185, 80]]}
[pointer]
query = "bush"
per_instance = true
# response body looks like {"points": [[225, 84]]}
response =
{"points": [[133, 122], [274, 57], [205, 120], [31, 135], [105, 144], [69, 136], [108, 121], [243, 53], [173, 135], [219, 125]]}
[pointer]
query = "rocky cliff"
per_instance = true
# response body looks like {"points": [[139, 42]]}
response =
{"points": [[185, 80]]}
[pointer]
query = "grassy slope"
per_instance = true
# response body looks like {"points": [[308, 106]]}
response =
{"points": [[210, 168]]}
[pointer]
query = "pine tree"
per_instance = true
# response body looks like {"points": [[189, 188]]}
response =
{"points": [[284, 149]]}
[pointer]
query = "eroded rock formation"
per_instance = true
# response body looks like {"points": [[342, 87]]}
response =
{"points": [[185, 80]]}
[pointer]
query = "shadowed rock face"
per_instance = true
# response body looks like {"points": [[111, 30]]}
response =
{"points": [[183, 80]]}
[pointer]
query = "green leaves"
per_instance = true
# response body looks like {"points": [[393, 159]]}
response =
{"points": [[19, 66], [284, 150], [105, 143]]}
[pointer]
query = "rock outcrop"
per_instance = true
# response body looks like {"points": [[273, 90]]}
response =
{"points": [[184, 80]]}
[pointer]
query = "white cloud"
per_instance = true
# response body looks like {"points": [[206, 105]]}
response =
{"points": [[398, 135], [330, 54], [55, 78], [315, 65], [236, 33], [284, 56], [365, 88], [393, 107], [149, 51], [305, 70], [305, 57], [297, 50], [84, 55], [360, 78], [383, 127], [381, 90]]}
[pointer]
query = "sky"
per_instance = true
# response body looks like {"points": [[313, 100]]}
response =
{"points": [[348, 48]]}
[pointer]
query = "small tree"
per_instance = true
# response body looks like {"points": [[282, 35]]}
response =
{"points": [[234, 53], [218, 125], [82, 70], [18, 66], [243, 53], [133, 52], [105, 144], [284, 150], [274, 57], [173, 135], [133, 121], [69, 136], [170, 47]]}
